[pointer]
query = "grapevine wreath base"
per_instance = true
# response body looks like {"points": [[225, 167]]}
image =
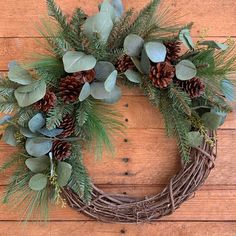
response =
{"points": [[115, 208], [60, 104]]}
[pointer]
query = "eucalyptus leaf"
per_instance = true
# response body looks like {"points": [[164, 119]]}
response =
{"points": [[133, 76], [27, 132], [29, 94], [137, 64], [156, 51], [9, 136], [211, 120], [186, 38], [133, 45], [78, 61], [5, 119], [39, 164], [50, 133], [38, 147], [98, 90], [145, 62], [109, 9], [100, 24], [185, 70], [85, 92], [114, 96], [228, 89], [214, 44], [18, 74], [222, 114], [110, 82], [103, 70], [36, 123], [195, 139], [38, 182], [118, 6], [64, 171]]}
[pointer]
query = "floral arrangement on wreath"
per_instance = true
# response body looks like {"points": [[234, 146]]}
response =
{"points": [[60, 103]]}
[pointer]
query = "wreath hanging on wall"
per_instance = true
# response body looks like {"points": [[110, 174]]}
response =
{"points": [[60, 104]]}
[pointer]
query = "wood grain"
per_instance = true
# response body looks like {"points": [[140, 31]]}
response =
{"points": [[210, 14], [144, 164]]}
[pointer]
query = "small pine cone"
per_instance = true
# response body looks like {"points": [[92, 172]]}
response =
{"points": [[85, 76], [68, 125], [124, 63], [70, 89], [194, 87], [162, 74], [47, 103], [61, 150], [173, 50]]}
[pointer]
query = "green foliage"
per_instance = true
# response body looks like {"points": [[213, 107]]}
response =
{"points": [[8, 104], [97, 122], [7, 87], [79, 182], [24, 115], [55, 115]]}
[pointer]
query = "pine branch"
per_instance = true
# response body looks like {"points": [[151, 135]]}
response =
{"points": [[79, 182], [24, 115], [8, 104], [55, 115], [7, 87], [180, 100], [78, 20]]}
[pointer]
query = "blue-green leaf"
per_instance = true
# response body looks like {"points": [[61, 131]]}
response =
{"points": [[50, 133], [18, 74], [78, 61], [110, 82], [214, 44], [114, 96], [64, 171], [211, 120], [133, 76], [195, 139], [186, 38], [109, 9], [133, 45], [38, 147], [38, 182], [185, 70], [36, 123], [103, 70], [156, 51], [39, 164], [30, 94], [118, 6], [9, 136], [5, 119], [85, 92], [228, 89]]}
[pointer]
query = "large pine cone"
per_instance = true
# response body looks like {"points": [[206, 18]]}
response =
{"points": [[194, 87], [162, 74], [68, 125], [173, 50], [85, 76], [61, 150], [46, 103], [70, 89], [124, 63]]}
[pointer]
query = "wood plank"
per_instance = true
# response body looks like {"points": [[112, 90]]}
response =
{"points": [[211, 205], [205, 14], [99, 229], [149, 157]]}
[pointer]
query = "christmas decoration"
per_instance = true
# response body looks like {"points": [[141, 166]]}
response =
{"points": [[63, 102], [47, 103], [162, 74], [194, 87], [61, 150]]}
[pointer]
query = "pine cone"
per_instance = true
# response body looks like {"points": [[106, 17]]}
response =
{"points": [[47, 103], [173, 50], [70, 89], [85, 76], [124, 63], [61, 150], [194, 87], [162, 74], [68, 125]]}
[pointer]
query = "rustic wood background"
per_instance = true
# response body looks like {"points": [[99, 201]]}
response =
{"points": [[144, 164]]}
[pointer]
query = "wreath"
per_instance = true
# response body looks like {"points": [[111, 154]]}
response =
{"points": [[60, 103]]}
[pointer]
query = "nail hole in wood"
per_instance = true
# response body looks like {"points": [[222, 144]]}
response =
{"points": [[125, 159], [126, 140]]}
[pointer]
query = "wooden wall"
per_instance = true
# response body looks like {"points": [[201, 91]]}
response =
{"points": [[144, 164]]}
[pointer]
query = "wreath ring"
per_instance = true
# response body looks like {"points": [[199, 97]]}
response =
{"points": [[114, 208]]}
